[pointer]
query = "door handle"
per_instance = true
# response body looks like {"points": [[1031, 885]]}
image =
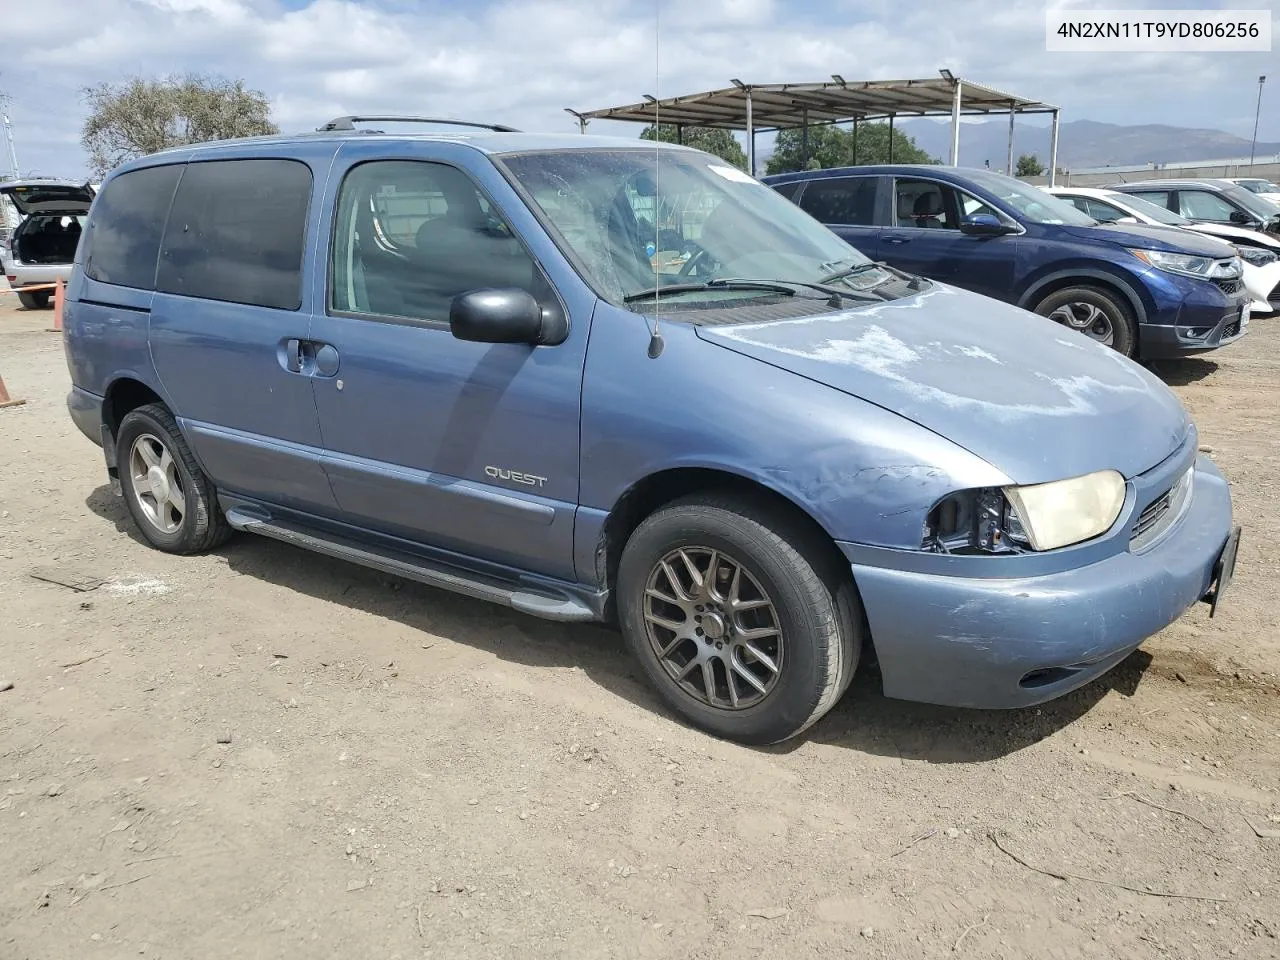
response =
{"points": [[897, 239], [293, 355]]}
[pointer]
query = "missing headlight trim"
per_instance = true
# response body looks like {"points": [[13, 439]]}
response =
{"points": [[974, 522]]}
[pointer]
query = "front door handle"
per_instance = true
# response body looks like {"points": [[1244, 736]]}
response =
{"points": [[897, 239]]}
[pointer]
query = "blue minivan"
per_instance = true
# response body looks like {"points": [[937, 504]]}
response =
{"points": [[1147, 292], [594, 380]]}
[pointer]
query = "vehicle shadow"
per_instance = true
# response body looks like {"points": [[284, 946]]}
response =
{"points": [[1184, 371], [865, 721]]}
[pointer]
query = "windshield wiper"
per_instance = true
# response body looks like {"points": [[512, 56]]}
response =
{"points": [[774, 286], [915, 281], [835, 293]]}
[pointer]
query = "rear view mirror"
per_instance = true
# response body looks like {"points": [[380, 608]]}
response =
{"points": [[984, 225], [496, 316]]}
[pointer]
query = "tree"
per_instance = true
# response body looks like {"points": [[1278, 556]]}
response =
{"points": [[1029, 165], [721, 143], [141, 116], [832, 146]]}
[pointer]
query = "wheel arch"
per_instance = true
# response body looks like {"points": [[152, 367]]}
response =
{"points": [[1050, 283], [655, 490]]}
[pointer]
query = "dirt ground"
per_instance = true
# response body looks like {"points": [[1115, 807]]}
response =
{"points": [[411, 774]]}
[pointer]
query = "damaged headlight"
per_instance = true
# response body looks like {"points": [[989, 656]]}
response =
{"points": [[1043, 516], [1256, 256]]}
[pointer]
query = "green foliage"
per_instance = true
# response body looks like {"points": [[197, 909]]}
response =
{"points": [[1029, 165], [139, 116], [720, 143], [832, 146]]}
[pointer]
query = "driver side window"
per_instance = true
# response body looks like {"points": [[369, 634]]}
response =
{"points": [[1201, 205], [409, 236]]}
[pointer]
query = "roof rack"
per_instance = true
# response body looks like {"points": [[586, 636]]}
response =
{"points": [[349, 123]]}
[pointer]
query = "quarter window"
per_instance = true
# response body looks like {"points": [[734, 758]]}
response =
{"points": [[237, 233], [123, 237], [410, 236], [841, 200]]}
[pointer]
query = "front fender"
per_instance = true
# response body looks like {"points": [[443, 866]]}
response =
{"points": [[863, 473]]}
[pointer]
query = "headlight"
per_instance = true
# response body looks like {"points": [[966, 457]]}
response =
{"points": [[1202, 268], [1256, 256], [1067, 511]]}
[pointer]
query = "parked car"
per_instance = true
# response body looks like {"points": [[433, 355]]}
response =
{"points": [[1146, 293], [453, 358], [1260, 252], [43, 245], [1263, 188], [1209, 201]]}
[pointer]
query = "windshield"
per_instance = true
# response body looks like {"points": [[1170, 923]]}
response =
{"points": [[1031, 203], [1148, 209], [1259, 186], [633, 219], [1260, 208]]}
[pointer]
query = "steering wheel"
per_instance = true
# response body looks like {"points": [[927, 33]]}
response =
{"points": [[697, 255]]}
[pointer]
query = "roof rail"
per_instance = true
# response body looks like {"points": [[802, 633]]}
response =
{"points": [[349, 123]]}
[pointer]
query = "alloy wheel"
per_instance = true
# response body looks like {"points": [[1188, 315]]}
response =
{"points": [[713, 628], [1086, 318], [157, 484]]}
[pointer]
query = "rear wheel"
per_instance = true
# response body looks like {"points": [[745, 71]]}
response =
{"points": [[739, 617], [173, 503], [34, 301], [1096, 313]]}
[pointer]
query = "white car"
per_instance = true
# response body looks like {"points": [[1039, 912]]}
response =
{"points": [[1259, 251], [1263, 188]]}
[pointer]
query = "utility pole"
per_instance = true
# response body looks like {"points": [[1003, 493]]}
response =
{"points": [[8, 134], [1256, 114]]}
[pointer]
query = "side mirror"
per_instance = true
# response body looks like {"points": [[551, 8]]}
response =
{"points": [[984, 225], [1240, 217], [489, 315]]}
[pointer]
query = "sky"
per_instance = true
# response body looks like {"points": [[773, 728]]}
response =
{"points": [[521, 62]]}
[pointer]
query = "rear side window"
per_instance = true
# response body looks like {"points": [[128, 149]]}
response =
{"points": [[789, 190], [123, 238], [843, 200], [237, 233], [1159, 197]]}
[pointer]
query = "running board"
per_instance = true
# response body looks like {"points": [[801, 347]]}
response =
{"points": [[547, 602]]}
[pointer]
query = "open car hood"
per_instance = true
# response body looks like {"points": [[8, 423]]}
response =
{"points": [[1035, 400], [48, 196]]}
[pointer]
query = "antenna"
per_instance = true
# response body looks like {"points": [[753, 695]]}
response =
{"points": [[655, 337]]}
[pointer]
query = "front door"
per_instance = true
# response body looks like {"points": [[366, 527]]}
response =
{"points": [[470, 447], [925, 239], [229, 300]]}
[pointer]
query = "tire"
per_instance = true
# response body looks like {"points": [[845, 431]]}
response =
{"points": [[188, 522], [1102, 303], [814, 606], [34, 301]]}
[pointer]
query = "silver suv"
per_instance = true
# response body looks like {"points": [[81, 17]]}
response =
{"points": [[43, 245]]}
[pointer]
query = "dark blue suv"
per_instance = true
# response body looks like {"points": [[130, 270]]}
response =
{"points": [[1149, 292], [590, 379]]}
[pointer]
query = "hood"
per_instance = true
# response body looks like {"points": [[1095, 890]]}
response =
{"points": [[48, 196], [1151, 237], [1232, 233], [1033, 399]]}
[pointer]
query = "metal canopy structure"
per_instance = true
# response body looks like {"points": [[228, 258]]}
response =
{"points": [[784, 106]]}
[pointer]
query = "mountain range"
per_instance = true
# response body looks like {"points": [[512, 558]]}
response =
{"points": [[1081, 143]]}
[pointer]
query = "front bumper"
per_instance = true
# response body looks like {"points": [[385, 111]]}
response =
{"points": [[1015, 642], [1206, 320]]}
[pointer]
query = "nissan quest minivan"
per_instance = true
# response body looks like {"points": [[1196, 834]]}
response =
{"points": [[591, 379]]}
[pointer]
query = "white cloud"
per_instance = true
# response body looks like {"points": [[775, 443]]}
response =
{"points": [[522, 61]]}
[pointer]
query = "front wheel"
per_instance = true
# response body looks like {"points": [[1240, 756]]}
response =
{"points": [[34, 301], [1096, 313], [739, 617]]}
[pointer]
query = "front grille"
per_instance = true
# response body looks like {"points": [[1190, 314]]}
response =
{"points": [[1229, 287], [1158, 515]]}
